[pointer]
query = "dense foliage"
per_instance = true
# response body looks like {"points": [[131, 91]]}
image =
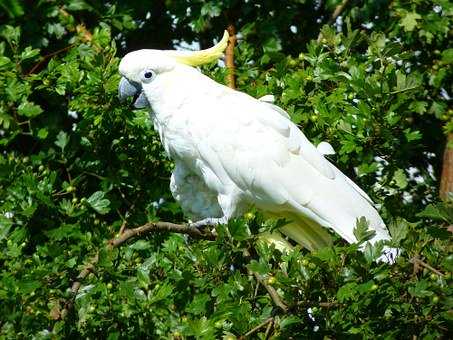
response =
{"points": [[76, 165]]}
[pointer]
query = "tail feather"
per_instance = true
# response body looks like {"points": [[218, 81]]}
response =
{"points": [[307, 233]]}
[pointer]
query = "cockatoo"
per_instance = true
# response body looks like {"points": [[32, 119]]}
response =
{"points": [[233, 152]]}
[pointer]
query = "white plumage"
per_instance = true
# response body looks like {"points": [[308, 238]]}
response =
{"points": [[233, 151]]}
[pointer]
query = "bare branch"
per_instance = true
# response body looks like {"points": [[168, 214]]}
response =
{"points": [[257, 328], [47, 57], [229, 57], [446, 179], [338, 10], [417, 262], [335, 14], [123, 236], [161, 227], [76, 286], [272, 293]]}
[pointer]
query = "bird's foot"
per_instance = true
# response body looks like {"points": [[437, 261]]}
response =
{"points": [[389, 255], [210, 221]]}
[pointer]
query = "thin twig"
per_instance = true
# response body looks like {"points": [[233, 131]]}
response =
{"points": [[123, 236], [417, 262], [89, 268], [272, 293], [48, 56], [122, 228], [268, 330], [328, 304], [256, 290], [338, 10], [257, 328], [335, 14]]}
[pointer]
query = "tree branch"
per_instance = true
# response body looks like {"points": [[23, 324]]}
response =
{"points": [[229, 56], [446, 179], [335, 14], [257, 328], [272, 293], [46, 57], [123, 236], [338, 10], [161, 227], [417, 262]]}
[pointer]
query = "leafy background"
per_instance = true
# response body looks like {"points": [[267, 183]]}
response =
{"points": [[76, 165]]}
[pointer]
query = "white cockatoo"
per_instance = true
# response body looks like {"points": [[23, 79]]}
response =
{"points": [[233, 152]]}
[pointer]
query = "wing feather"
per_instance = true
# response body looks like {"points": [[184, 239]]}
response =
{"points": [[280, 171]]}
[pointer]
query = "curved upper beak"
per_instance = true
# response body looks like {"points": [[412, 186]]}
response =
{"points": [[127, 88]]}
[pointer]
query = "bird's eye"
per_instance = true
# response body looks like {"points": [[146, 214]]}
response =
{"points": [[148, 75]]}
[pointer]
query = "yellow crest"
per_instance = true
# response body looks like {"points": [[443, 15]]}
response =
{"points": [[197, 58]]}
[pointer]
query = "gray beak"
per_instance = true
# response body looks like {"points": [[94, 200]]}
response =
{"points": [[127, 88]]}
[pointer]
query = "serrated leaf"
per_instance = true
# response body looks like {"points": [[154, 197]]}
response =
{"points": [[29, 109], [347, 292], [420, 289], [42, 133], [362, 231], [143, 277], [398, 230], [447, 56], [239, 230], [99, 203], [258, 267], [5, 225], [62, 140], [198, 304], [400, 178], [160, 293], [140, 245], [409, 21], [29, 53], [438, 212]]}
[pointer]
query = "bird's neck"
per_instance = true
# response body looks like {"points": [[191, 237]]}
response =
{"points": [[178, 90]]}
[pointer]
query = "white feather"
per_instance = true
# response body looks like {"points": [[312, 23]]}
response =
{"points": [[245, 152]]}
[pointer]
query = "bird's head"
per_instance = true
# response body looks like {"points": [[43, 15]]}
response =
{"points": [[142, 69]]}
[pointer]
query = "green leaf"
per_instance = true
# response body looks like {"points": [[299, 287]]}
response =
{"points": [[143, 277], [62, 140], [4, 61], [27, 287], [5, 225], [362, 231], [140, 245], [399, 229], [78, 5], [447, 263], [12, 7], [239, 230], [420, 289], [260, 267], [347, 292], [29, 109], [409, 21], [161, 292], [400, 178], [438, 212], [43, 133], [99, 203], [447, 56], [198, 304], [29, 53], [412, 135]]}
